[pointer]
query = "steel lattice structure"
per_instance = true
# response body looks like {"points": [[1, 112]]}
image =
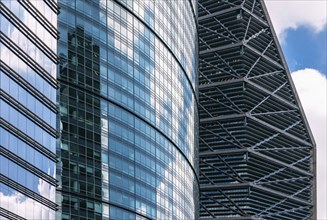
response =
{"points": [[257, 153]]}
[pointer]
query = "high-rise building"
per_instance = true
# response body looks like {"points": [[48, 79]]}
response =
{"points": [[100, 107], [28, 124], [257, 154], [128, 109]]}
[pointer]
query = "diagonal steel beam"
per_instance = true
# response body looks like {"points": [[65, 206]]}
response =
{"points": [[291, 197], [273, 113], [280, 170], [203, 75], [219, 170], [240, 211], [225, 139], [223, 26], [249, 21], [285, 148], [274, 136], [280, 163], [282, 132], [267, 97], [206, 110], [256, 17], [283, 195], [266, 74], [276, 64], [287, 211], [259, 58], [226, 97], [210, 213], [226, 206], [221, 103], [265, 157], [289, 104], [285, 180], [214, 32], [217, 84], [263, 30], [224, 161], [217, 68], [229, 134]]}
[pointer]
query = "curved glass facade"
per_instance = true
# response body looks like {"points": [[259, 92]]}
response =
{"points": [[28, 130], [128, 109]]}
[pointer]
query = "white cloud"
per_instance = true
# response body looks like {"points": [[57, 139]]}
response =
{"points": [[26, 207], [294, 13], [311, 86]]}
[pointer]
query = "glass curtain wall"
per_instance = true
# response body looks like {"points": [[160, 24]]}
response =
{"points": [[28, 124], [128, 109]]}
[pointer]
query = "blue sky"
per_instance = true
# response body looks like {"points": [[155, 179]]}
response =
{"points": [[303, 48], [301, 26]]}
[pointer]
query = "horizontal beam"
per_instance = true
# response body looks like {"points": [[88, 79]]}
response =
{"points": [[216, 84], [233, 81], [262, 156], [222, 117], [215, 49], [234, 218], [208, 188], [233, 116], [204, 17], [222, 152]]}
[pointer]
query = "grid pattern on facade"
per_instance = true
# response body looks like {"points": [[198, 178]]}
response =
{"points": [[128, 109], [256, 149], [28, 123]]}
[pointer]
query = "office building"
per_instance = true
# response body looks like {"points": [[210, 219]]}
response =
{"points": [[103, 112], [257, 154], [128, 111], [28, 123]]}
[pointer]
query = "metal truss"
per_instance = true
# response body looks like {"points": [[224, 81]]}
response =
{"points": [[257, 153]]}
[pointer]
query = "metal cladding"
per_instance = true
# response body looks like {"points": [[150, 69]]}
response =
{"points": [[257, 153]]}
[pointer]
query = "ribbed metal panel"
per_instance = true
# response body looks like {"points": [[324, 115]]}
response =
{"points": [[257, 153]]}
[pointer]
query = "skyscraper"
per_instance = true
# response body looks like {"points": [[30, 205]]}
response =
{"points": [[105, 126], [28, 124], [257, 154], [128, 109]]}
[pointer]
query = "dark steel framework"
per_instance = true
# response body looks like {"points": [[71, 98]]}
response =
{"points": [[257, 153]]}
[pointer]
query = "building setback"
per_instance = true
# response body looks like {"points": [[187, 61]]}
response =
{"points": [[28, 112], [128, 110], [257, 153]]}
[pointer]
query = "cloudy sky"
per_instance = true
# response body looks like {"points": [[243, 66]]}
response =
{"points": [[301, 26]]}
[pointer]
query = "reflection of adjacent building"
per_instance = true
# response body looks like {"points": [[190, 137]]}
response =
{"points": [[127, 105], [28, 128], [80, 127]]}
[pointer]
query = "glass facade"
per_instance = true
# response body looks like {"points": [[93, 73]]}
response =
{"points": [[28, 123], [128, 147]]}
